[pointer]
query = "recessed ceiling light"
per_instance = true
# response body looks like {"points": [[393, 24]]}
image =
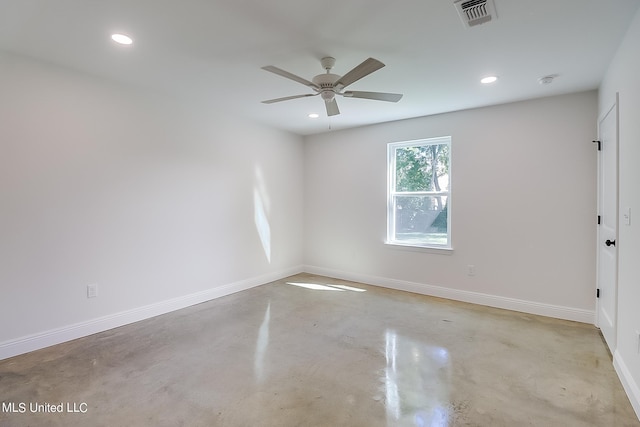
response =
{"points": [[489, 79], [121, 38], [314, 115]]}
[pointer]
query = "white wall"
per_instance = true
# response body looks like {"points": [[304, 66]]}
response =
{"points": [[148, 197], [622, 77], [523, 206]]}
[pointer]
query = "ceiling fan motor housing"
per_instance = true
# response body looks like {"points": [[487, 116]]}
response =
{"points": [[326, 82]]}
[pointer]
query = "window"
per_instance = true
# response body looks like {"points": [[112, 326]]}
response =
{"points": [[419, 193]]}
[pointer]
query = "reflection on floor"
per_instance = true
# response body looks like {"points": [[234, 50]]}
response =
{"points": [[417, 379], [314, 351]]}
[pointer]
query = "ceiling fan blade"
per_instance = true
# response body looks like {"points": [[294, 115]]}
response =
{"points": [[286, 98], [290, 76], [367, 67], [378, 96], [332, 108]]}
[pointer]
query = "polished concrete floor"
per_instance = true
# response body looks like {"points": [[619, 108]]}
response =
{"points": [[314, 351]]}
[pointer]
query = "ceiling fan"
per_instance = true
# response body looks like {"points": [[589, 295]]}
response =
{"points": [[329, 85]]}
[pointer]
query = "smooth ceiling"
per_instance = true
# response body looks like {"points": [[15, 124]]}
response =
{"points": [[210, 52]]}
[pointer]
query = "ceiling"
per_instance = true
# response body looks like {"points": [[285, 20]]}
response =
{"points": [[210, 52]]}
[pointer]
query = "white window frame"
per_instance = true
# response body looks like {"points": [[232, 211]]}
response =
{"points": [[391, 192]]}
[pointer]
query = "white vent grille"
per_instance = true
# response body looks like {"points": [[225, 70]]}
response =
{"points": [[475, 12]]}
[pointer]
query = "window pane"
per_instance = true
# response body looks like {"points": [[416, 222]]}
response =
{"points": [[421, 220], [422, 168]]}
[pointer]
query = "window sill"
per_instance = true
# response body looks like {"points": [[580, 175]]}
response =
{"points": [[423, 249]]}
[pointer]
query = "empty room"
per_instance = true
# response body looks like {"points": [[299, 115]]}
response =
{"points": [[336, 213]]}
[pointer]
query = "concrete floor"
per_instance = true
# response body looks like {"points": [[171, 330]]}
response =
{"points": [[314, 351]]}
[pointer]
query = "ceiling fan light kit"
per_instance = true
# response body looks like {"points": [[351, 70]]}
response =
{"points": [[329, 85]]}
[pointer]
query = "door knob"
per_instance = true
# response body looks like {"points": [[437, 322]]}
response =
{"points": [[610, 242]]}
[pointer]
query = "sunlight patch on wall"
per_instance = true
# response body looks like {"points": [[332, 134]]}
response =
{"points": [[261, 206], [262, 224]]}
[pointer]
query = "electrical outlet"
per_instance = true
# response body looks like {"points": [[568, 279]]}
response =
{"points": [[471, 270], [92, 290], [638, 335]]}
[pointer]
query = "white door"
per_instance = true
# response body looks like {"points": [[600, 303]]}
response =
{"points": [[607, 276]]}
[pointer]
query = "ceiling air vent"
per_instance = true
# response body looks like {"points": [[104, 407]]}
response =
{"points": [[475, 12]]}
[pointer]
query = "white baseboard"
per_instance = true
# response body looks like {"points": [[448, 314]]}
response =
{"points": [[67, 333], [628, 383], [548, 310]]}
